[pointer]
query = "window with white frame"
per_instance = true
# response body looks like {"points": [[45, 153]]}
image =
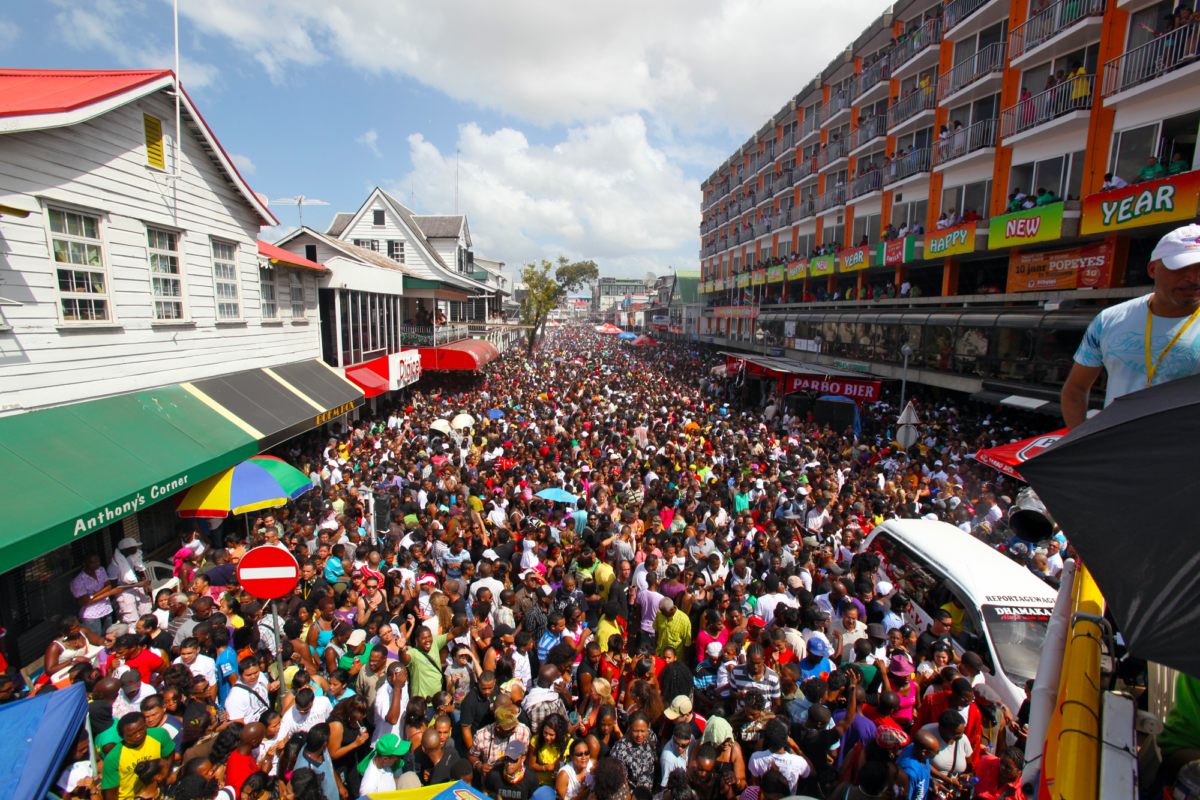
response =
{"points": [[395, 250], [225, 276], [266, 291], [82, 274], [296, 288], [166, 282], [367, 244]]}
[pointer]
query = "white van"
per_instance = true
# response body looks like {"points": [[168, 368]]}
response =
{"points": [[1006, 607]]}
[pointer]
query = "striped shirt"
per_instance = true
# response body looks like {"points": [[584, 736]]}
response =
{"points": [[767, 684]]}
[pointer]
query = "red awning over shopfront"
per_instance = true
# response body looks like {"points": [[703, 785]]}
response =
{"points": [[465, 354], [371, 377]]}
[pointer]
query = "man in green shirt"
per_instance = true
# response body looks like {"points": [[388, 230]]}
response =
{"points": [[1178, 165], [1152, 171], [424, 661], [138, 743]]}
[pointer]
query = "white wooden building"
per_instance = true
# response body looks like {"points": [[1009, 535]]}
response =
{"points": [[121, 267]]}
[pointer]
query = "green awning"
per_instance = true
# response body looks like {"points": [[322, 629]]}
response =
{"points": [[70, 470]]}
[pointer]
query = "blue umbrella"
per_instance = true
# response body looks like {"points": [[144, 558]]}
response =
{"points": [[627, 336], [495, 413], [557, 496]]}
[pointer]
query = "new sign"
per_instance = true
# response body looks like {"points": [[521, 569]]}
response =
{"points": [[839, 387], [1164, 200], [1026, 227], [950, 241], [1078, 268], [856, 259], [822, 265]]}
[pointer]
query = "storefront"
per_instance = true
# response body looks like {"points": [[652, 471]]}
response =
{"points": [[82, 476]]}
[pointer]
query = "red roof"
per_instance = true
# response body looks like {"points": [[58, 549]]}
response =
{"points": [[291, 259], [465, 354], [40, 91]]}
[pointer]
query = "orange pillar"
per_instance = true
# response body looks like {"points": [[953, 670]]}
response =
{"points": [[1010, 91], [950, 277], [1100, 123]]}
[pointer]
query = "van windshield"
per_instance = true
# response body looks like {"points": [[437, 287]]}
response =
{"points": [[1017, 635]]}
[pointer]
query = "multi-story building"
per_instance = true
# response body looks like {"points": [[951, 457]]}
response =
{"points": [[612, 292], [148, 339], [883, 205]]}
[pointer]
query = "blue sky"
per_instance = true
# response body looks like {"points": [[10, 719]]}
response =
{"points": [[584, 129]]}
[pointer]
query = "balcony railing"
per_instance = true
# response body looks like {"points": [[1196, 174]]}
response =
{"points": [[808, 125], [784, 181], [865, 184], [831, 199], [839, 102], [805, 208], [924, 97], [769, 183], [832, 152], [958, 10], [1051, 21], [1073, 94], [710, 250], [739, 178], [787, 141], [424, 335], [767, 155], [1157, 57], [965, 140], [804, 169], [871, 77], [783, 219], [988, 60], [928, 34], [907, 165], [873, 128]]}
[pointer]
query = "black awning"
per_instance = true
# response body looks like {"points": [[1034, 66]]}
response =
{"points": [[281, 402]]}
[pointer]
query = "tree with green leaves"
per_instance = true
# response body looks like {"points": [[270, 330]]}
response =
{"points": [[546, 284]]}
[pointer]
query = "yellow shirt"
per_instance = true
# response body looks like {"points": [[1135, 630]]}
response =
{"points": [[605, 577], [605, 630]]}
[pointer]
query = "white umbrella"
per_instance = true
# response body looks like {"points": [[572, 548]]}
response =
{"points": [[440, 425], [462, 421]]}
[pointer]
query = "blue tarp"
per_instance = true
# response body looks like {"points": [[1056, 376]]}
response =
{"points": [[36, 735]]}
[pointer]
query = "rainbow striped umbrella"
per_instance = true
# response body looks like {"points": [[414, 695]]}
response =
{"points": [[256, 483]]}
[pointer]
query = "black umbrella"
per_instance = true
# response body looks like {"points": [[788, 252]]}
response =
{"points": [[1124, 487]]}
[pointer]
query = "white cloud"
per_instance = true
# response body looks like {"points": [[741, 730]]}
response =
{"points": [[274, 234], [371, 140], [243, 164], [8, 33], [603, 193], [708, 65], [105, 24]]}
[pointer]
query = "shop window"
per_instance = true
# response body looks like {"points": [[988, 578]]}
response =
{"points": [[938, 347], [1013, 352], [1056, 355]]}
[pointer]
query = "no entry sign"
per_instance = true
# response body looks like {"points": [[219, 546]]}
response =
{"points": [[268, 573]]}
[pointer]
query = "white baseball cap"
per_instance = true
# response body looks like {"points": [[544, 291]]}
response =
{"points": [[1178, 249]]}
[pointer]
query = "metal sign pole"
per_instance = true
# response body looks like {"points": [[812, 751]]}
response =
{"points": [[278, 651]]}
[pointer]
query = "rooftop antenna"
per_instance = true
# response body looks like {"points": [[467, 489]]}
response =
{"points": [[300, 201], [456, 153], [412, 193]]}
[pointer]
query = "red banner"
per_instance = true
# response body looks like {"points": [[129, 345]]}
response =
{"points": [[840, 387]]}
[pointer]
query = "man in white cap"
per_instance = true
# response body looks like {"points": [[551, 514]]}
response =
{"points": [[127, 570], [1118, 340]]}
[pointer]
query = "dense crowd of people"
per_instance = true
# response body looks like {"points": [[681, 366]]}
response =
{"points": [[623, 578]]}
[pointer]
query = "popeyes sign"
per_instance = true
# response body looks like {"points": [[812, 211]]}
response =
{"points": [[839, 387], [1026, 227]]}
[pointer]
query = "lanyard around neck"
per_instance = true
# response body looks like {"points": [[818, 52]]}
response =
{"points": [[1152, 367]]}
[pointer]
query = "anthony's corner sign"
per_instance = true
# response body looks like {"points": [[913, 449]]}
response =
{"points": [[1026, 227], [1164, 200], [950, 241], [839, 387]]}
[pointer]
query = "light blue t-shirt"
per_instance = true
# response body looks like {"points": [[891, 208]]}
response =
{"points": [[1116, 339]]}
